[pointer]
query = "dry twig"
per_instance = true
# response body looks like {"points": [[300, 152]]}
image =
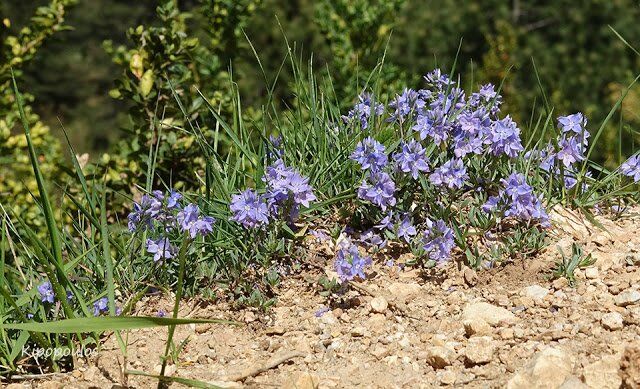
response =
{"points": [[272, 363]]}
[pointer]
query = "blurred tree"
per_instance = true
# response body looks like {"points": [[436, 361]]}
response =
{"points": [[19, 44], [581, 62]]}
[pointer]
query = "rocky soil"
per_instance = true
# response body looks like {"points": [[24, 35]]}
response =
{"points": [[511, 326]]}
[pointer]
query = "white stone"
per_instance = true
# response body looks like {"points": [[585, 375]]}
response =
{"points": [[612, 321], [489, 313], [603, 374], [535, 292], [379, 304], [476, 327], [627, 297], [439, 357], [591, 273], [480, 350], [549, 368]]}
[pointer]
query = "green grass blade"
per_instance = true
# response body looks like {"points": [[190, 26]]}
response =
{"points": [[54, 234], [106, 323], [178, 380]]}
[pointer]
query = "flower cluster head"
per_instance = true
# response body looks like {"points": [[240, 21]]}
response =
{"points": [[161, 249], [275, 146], [164, 210], [486, 96], [163, 214], [350, 264], [370, 154], [287, 184], [405, 104], [286, 191], [437, 80], [411, 159], [575, 123], [363, 110], [101, 306], [472, 132], [249, 209], [146, 211], [405, 229], [372, 239], [438, 241], [505, 138], [573, 140], [568, 149], [517, 200], [191, 221], [451, 174], [46, 292], [631, 168], [379, 189]]}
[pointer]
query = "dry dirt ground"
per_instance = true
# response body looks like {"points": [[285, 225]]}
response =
{"points": [[510, 326]]}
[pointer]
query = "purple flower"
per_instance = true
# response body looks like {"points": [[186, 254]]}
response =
{"points": [[300, 189], [518, 200], [452, 174], [486, 96], [145, 212], [363, 110], [544, 158], [571, 151], [321, 311], [505, 138], [286, 187], [433, 123], [173, 201], [437, 80], [46, 292], [575, 123], [161, 313], [438, 241], [405, 104], [631, 168], [370, 154], [276, 145], [249, 209], [379, 189], [411, 159], [321, 236], [100, 306], [471, 133], [191, 221], [161, 249], [405, 229], [350, 264], [385, 223], [370, 238]]}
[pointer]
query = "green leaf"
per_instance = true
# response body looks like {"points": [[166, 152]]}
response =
{"points": [[179, 380], [106, 323]]}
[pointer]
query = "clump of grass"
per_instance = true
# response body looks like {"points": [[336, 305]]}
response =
{"points": [[567, 266], [438, 173]]}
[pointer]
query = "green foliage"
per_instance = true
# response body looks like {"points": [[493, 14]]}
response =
{"points": [[567, 266], [583, 66], [16, 179], [357, 33], [166, 59]]}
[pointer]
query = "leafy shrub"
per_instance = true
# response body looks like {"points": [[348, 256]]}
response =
{"points": [[173, 63], [17, 185]]}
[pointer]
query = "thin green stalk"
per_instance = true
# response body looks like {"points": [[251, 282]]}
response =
{"points": [[176, 305]]}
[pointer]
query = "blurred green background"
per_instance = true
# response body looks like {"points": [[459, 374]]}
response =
{"points": [[582, 65]]}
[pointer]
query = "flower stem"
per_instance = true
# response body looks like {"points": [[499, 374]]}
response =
{"points": [[176, 306]]}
